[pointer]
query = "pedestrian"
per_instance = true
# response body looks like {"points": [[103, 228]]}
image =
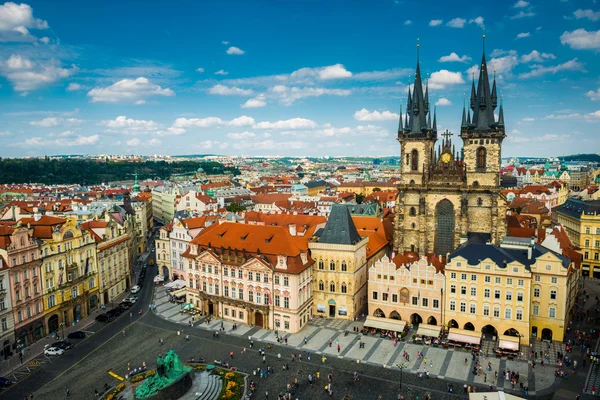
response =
{"points": [[266, 394], [323, 359], [264, 359], [68, 391], [305, 340], [330, 342], [308, 356]]}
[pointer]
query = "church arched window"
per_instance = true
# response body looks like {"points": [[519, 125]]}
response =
{"points": [[414, 160], [344, 266], [344, 289], [412, 212], [332, 266], [412, 181], [475, 183], [332, 287], [407, 159], [481, 156], [479, 201], [321, 285], [321, 264], [413, 225]]}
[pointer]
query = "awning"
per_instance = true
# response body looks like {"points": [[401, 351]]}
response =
{"points": [[159, 278], [492, 396], [508, 342], [429, 330], [385, 324], [179, 293], [464, 336]]}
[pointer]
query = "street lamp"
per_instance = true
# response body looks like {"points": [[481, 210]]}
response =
{"points": [[402, 366], [62, 325]]}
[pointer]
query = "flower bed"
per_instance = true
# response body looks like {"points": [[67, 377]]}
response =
{"points": [[141, 376], [112, 394], [232, 385]]}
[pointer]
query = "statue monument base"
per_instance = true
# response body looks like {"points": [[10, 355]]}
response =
{"points": [[175, 390]]}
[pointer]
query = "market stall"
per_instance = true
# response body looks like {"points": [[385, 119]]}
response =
{"points": [[507, 345], [384, 326], [429, 334], [462, 337]]}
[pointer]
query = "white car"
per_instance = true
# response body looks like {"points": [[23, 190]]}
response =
{"points": [[53, 351], [132, 299], [135, 289]]}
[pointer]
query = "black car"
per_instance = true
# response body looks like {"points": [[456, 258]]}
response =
{"points": [[115, 312], [76, 335], [5, 382], [62, 344], [104, 318], [125, 304]]}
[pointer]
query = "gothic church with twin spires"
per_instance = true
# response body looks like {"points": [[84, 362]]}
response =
{"points": [[445, 193]]}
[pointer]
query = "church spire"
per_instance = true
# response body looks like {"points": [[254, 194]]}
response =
{"points": [[464, 116], [501, 113], [473, 93], [434, 119], [418, 107], [400, 127], [468, 117], [494, 95], [483, 114]]}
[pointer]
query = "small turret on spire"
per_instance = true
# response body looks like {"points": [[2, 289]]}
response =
{"points": [[428, 117], [464, 116], [400, 127], [426, 95], [435, 119], [501, 113], [468, 117], [473, 92]]}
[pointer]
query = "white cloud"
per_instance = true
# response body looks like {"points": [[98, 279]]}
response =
{"points": [[254, 103], [235, 51], [269, 145], [133, 142], [200, 69], [589, 14], [435, 22], [536, 56], [528, 119], [594, 96], [387, 74], [521, 4], [593, 116], [73, 87], [221, 72], [456, 23], [563, 116], [67, 134], [407, 22], [50, 122], [26, 75], [293, 123], [229, 91], [478, 21], [522, 14], [453, 57], [443, 102], [336, 71], [328, 130], [241, 135], [44, 40], [15, 22], [523, 35], [59, 142], [128, 91], [441, 79], [539, 70], [128, 126], [225, 42], [366, 115], [581, 39], [212, 122], [171, 131], [288, 95]]}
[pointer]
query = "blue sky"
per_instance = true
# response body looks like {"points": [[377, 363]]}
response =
{"points": [[295, 78]]}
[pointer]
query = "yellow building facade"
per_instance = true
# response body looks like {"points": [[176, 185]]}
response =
{"points": [[581, 220], [70, 275]]}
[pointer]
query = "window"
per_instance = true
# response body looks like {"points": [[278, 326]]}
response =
{"points": [[472, 308], [486, 311], [488, 279], [394, 298], [425, 302], [586, 255], [332, 265], [452, 288], [463, 290], [548, 267], [587, 229], [479, 201], [481, 156], [286, 302], [374, 295], [414, 158], [20, 316], [507, 313], [4, 324], [538, 278], [257, 277], [498, 280], [554, 279], [241, 297], [321, 264], [250, 276], [519, 315], [234, 291], [204, 286], [227, 311], [276, 300], [344, 266], [473, 277], [51, 301], [321, 285], [497, 294], [210, 269], [74, 292], [463, 277], [473, 291], [520, 296], [240, 274], [226, 271], [344, 289], [463, 307], [251, 296], [286, 324], [452, 305], [535, 310], [412, 212], [552, 312], [453, 275], [488, 266], [277, 279], [509, 281], [553, 295], [286, 281], [257, 298], [436, 303], [508, 296], [265, 278], [496, 312], [415, 301], [520, 282], [226, 291], [332, 287], [486, 293]]}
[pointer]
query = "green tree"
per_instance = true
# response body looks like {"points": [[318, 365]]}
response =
{"points": [[359, 198], [376, 190], [235, 207]]}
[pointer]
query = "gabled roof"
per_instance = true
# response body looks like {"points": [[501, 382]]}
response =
{"points": [[340, 228]]}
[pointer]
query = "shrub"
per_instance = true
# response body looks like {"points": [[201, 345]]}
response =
{"points": [[150, 373], [138, 378], [228, 395], [231, 385], [229, 376]]}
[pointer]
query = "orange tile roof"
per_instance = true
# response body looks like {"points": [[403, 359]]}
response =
{"points": [[304, 223]]}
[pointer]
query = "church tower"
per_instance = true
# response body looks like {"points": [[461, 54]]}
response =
{"points": [[416, 134], [482, 135]]}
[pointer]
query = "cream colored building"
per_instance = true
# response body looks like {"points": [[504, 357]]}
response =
{"points": [[163, 203], [407, 288]]}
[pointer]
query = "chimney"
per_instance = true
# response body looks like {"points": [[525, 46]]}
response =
{"points": [[292, 229], [37, 216], [440, 258]]}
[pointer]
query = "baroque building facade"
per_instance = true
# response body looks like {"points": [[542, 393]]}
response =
{"points": [[445, 193]]}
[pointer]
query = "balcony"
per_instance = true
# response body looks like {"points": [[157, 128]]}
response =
{"points": [[2, 291]]}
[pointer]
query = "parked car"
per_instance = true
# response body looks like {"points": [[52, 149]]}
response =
{"points": [[125, 304], [53, 351], [76, 335], [115, 312], [132, 299], [104, 318], [135, 289], [5, 382], [62, 344]]}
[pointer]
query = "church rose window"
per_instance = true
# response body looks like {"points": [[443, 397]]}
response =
{"points": [[444, 241]]}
